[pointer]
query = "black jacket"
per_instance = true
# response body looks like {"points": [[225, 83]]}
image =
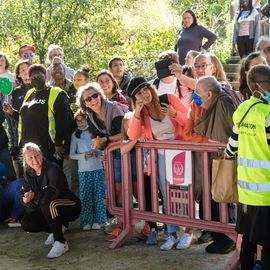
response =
{"points": [[51, 184]]}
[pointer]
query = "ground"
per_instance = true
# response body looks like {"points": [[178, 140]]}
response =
{"points": [[88, 250]]}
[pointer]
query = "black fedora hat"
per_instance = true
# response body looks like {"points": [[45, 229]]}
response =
{"points": [[135, 85]]}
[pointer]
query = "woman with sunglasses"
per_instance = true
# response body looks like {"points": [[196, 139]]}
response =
{"points": [[104, 119]]}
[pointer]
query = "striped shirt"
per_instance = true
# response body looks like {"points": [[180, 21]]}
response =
{"points": [[232, 145]]}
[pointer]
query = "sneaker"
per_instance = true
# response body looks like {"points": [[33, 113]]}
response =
{"points": [[12, 223], [58, 249], [146, 228], [96, 226], [185, 241], [87, 227], [152, 238], [115, 233], [205, 237], [50, 240], [220, 247], [169, 243], [111, 226]]}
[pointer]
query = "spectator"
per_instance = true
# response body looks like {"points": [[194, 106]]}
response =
{"points": [[110, 87], [209, 120], [17, 96], [91, 175], [46, 193], [247, 63], [189, 60], [263, 46], [246, 29], [104, 119], [252, 128], [81, 77], [5, 157], [160, 121], [46, 121], [11, 207], [192, 35], [117, 68], [57, 51], [27, 52]]}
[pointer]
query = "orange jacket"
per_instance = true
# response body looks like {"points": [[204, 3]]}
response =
{"points": [[189, 135], [139, 127]]}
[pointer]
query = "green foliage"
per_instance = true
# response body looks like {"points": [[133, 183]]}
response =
{"points": [[93, 31]]}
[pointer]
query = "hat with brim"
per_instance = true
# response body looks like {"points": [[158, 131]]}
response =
{"points": [[135, 85]]}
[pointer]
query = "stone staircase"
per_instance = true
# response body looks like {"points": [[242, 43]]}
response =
{"points": [[232, 71]]}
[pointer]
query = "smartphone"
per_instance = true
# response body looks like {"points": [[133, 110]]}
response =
{"points": [[162, 68], [163, 99]]}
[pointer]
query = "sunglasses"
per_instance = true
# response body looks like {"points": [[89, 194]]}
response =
{"points": [[28, 55], [94, 96]]}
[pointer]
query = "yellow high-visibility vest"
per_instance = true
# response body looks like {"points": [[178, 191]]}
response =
{"points": [[253, 170], [54, 92]]}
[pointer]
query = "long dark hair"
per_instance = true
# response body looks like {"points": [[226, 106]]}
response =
{"points": [[250, 8], [244, 68], [195, 21]]}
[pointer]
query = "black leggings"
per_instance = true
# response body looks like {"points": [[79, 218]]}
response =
{"points": [[50, 218], [245, 45]]}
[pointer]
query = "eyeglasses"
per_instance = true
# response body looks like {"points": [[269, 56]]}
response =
{"points": [[267, 50], [203, 66], [27, 55], [94, 96]]}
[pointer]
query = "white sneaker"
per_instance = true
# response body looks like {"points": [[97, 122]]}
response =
{"points": [[58, 250], [87, 227], [169, 243], [50, 240], [185, 241], [96, 226]]}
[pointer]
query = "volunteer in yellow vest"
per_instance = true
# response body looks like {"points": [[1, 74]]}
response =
{"points": [[251, 141], [44, 115]]}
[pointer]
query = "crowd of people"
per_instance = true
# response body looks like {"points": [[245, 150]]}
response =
{"points": [[59, 123]]}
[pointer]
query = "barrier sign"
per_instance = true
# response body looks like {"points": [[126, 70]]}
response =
{"points": [[178, 167]]}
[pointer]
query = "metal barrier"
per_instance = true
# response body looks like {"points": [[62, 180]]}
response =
{"points": [[180, 204]]}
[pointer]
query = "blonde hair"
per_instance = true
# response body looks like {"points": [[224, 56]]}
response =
{"points": [[29, 147]]}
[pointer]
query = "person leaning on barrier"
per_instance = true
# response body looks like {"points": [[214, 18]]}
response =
{"points": [[250, 141], [50, 205], [157, 120], [210, 120]]}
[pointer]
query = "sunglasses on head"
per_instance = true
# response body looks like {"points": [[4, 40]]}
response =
{"points": [[26, 55], [94, 96]]}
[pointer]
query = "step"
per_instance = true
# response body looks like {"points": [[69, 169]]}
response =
{"points": [[235, 85], [231, 68], [231, 76], [234, 59]]}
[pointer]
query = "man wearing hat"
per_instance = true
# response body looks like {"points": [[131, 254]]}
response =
{"points": [[27, 52]]}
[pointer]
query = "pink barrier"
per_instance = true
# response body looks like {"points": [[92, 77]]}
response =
{"points": [[180, 204]]}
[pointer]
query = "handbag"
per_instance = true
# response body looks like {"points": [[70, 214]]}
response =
{"points": [[224, 181]]}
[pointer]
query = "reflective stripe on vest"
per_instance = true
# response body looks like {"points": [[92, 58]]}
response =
{"points": [[253, 186], [54, 92], [263, 164]]}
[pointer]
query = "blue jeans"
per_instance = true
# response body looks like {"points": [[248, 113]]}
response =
{"points": [[162, 185]]}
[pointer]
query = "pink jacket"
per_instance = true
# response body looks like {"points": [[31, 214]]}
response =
{"points": [[142, 127]]}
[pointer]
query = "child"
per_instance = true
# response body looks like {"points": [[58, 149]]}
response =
{"points": [[91, 176]]}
